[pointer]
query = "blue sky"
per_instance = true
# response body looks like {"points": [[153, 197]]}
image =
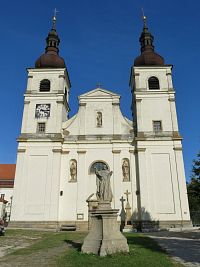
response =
{"points": [[99, 41]]}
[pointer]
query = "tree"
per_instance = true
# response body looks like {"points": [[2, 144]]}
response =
{"points": [[193, 188]]}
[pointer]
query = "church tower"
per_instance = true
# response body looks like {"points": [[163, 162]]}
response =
{"points": [[46, 106], [161, 185]]}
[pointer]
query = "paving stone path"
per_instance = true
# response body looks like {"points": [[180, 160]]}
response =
{"points": [[183, 246]]}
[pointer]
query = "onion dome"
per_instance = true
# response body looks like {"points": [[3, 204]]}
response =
{"points": [[148, 57], [51, 58]]}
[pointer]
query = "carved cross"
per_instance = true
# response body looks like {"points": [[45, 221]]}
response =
{"points": [[99, 85], [55, 12], [122, 201], [127, 193]]}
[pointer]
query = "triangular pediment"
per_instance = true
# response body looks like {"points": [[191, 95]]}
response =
{"points": [[99, 92]]}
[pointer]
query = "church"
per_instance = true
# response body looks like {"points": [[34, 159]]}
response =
{"points": [[55, 181]]}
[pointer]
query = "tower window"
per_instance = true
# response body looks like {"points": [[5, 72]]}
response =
{"points": [[41, 127], [153, 83], [157, 126], [45, 85]]}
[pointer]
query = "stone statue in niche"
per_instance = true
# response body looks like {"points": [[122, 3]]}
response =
{"points": [[125, 170], [99, 119], [73, 170], [104, 192]]}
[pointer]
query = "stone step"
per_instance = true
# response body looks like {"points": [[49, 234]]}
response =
{"points": [[68, 227]]}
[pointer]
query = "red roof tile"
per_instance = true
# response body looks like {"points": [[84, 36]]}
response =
{"points": [[7, 171]]}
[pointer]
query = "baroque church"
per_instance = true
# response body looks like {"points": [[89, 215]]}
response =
{"points": [[55, 182]]}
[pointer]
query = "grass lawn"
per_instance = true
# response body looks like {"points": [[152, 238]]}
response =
{"points": [[63, 249]]}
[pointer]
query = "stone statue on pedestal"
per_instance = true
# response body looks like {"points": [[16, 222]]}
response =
{"points": [[104, 237], [104, 192]]}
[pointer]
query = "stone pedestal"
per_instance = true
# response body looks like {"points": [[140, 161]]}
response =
{"points": [[92, 205], [104, 237], [128, 224]]}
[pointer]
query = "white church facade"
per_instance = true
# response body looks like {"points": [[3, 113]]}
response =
{"points": [[55, 182]]}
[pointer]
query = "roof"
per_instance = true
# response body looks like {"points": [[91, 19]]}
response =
{"points": [[7, 171], [148, 56], [99, 92], [7, 175], [51, 58]]}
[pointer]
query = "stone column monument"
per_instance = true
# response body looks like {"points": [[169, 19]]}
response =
{"points": [[104, 237], [128, 209]]}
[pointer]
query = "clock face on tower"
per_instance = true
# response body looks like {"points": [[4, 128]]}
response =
{"points": [[42, 111]]}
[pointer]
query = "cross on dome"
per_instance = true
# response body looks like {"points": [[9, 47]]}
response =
{"points": [[148, 56], [54, 19], [51, 58]]}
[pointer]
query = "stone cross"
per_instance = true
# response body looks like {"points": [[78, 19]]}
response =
{"points": [[99, 85], [122, 201], [127, 193]]}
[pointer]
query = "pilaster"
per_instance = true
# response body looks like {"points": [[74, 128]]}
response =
{"points": [[116, 123], [55, 185], [138, 103], [117, 178], [81, 184], [173, 113], [184, 207], [25, 116], [82, 118], [133, 181], [64, 179], [143, 194]]}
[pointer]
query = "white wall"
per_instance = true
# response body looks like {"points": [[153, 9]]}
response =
{"points": [[75, 194], [36, 189], [8, 193]]}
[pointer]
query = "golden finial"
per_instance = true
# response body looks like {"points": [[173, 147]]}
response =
{"points": [[54, 18], [144, 18]]}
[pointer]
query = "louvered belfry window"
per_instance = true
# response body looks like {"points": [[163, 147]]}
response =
{"points": [[157, 126], [153, 83], [45, 85], [41, 127]]}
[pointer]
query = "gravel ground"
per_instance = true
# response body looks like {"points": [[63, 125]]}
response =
{"points": [[41, 258], [11, 243]]}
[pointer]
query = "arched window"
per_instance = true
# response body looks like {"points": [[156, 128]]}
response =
{"points": [[99, 165], [45, 85], [153, 83]]}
